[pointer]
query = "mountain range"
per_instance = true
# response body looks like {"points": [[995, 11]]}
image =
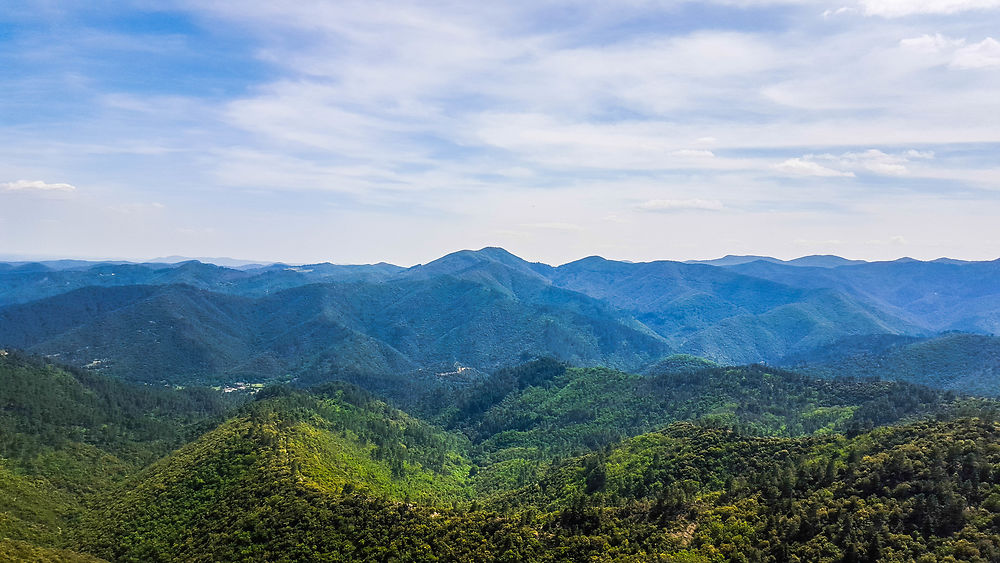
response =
{"points": [[476, 311]]}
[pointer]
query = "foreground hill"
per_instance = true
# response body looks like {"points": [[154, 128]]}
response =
{"points": [[255, 489], [919, 492], [273, 480], [536, 463]]}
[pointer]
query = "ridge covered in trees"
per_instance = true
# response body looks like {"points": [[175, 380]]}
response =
{"points": [[542, 462]]}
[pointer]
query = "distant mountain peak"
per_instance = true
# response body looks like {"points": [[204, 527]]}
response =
{"points": [[734, 260], [823, 261], [223, 261], [813, 260]]}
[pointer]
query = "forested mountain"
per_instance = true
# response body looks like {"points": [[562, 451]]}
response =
{"points": [[817, 260], [937, 296], [539, 462], [480, 309], [963, 362], [729, 317], [179, 333], [64, 435]]}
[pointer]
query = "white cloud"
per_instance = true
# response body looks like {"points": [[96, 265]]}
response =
{"points": [[681, 205], [37, 185], [839, 11], [931, 43], [901, 8], [804, 167], [876, 161], [847, 164], [958, 53], [693, 153], [985, 54], [895, 240]]}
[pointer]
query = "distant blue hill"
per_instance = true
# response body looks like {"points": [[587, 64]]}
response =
{"points": [[816, 261], [479, 309]]}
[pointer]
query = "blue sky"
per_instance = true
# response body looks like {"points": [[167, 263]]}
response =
{"points": [[399, 131]]}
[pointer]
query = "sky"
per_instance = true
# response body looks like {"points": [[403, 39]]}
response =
{"points": [[358, 132]]}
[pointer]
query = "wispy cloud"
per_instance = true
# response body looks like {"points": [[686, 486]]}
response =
{"points": [[805, 167], [36, 186], [902, 8], [958, 52], [668, 205], [846, 165]]}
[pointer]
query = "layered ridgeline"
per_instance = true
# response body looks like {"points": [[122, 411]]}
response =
{"points": [[474, 311]]}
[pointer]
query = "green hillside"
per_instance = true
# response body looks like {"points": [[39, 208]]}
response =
{"points": [[66, 435], [292, 476], [180, 334], [540, 462], [525, 416], [687, 493], [13, 550]]}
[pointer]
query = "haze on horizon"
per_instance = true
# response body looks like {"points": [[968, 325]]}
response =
{"points": [[356, 132]]}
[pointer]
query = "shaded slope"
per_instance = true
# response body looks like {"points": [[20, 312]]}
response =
{"points": [[936, 296], [721, 314], [65, 435], [822, 317], [180, 333], [968, 363]]}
